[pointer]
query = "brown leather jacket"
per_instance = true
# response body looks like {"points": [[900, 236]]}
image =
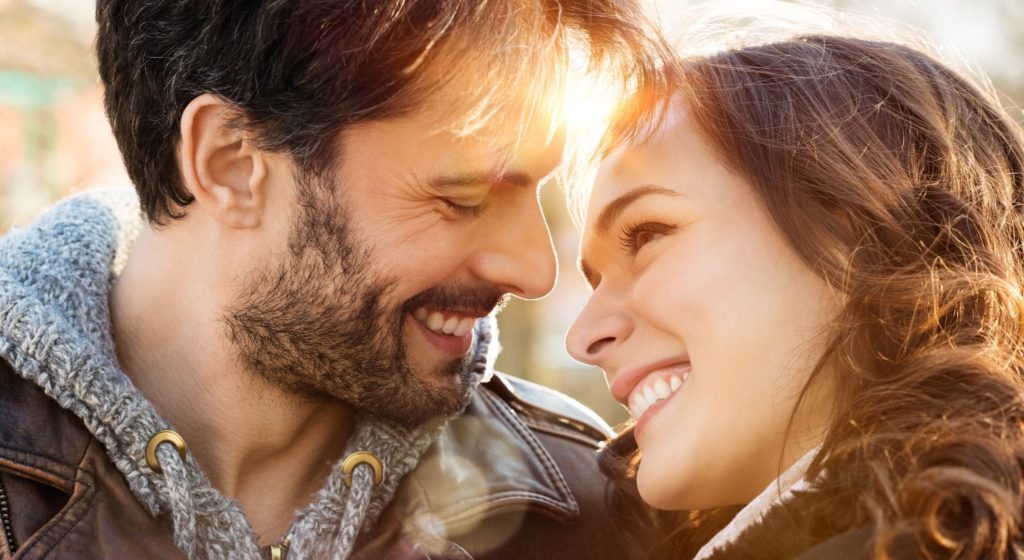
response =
{"points": [[514, 477]]}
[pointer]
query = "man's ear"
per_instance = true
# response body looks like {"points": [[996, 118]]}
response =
{"points": [[222, 169]]}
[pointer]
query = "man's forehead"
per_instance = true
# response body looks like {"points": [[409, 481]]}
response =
{"points": [[470, 94], [467, 127], [420, 144], [504, 124], [516, 137]]}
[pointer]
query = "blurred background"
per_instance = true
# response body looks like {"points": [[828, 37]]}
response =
{"points": [[54, 140]]}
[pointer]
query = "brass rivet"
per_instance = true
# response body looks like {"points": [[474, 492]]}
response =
{"points": [[362, 457], [169, 436], [277, 551]]}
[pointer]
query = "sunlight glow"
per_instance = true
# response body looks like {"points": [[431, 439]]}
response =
{"points": [[588, 104]]}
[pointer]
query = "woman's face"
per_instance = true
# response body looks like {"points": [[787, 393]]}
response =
{"points": [[705, 321]]}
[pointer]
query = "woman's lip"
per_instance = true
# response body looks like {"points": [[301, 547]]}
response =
{"points": [[640, 428], [623, 384]]}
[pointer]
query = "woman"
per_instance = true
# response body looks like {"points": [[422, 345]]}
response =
{"points": [[807, 291]]}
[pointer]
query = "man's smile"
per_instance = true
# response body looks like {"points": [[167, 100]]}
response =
{"points": [[446, 322], [449, 331]]}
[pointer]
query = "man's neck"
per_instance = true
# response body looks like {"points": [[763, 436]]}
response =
{"points": [[260, 445]]}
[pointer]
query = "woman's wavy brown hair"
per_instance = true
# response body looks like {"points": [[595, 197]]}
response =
{"points": [[900, 182]]}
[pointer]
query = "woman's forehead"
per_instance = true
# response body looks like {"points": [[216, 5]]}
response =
{"points": [[646, 161]]}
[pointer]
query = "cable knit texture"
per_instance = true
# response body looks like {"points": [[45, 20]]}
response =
{"points": [[55, 279]]}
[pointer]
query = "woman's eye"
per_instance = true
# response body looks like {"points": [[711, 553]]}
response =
{"points": [[635, 236]]}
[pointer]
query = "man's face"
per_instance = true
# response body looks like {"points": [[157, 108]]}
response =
{"points": [[392, 258]]}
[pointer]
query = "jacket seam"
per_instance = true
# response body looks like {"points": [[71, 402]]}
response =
{"points": [[484, 507], [44, 368], [55, 530], [58, 480], [103, 424], [559, 432], [33, 454], [498, 504], [583, 425], [520, 428], [558, 498], [552, 470]]}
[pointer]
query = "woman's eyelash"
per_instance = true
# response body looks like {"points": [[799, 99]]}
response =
{"points": [[635, 236]]}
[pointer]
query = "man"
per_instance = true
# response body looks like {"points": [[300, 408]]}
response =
{"points": [[284, 346]]}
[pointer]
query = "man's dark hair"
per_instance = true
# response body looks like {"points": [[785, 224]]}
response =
{"points": [[299, 71]]}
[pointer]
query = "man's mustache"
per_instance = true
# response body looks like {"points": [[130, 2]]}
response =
{"points": [[468, 300]]}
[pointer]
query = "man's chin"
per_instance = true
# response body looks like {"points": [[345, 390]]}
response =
{"points": [[439, 372], [438, 391], [419, 403]]}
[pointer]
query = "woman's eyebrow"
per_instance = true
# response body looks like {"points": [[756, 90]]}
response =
{"points": [[617, 206]]}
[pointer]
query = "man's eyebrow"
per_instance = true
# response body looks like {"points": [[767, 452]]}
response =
{"points": [[514, 178], [617, 206]]}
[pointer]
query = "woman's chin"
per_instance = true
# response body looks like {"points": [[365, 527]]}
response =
{"points": [[664, 491], [674, 490]]}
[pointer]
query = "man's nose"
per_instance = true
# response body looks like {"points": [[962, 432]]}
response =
{"points": [[600, 327], [517, 255]]}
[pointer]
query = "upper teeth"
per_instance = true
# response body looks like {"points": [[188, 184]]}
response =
{"points": [[453, 324], [656, 388]]}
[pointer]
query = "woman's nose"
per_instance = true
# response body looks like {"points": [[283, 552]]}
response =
{"points": [[596, 332]]}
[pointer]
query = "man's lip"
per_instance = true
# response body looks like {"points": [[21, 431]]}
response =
{"points": [[448, 344], [472, 313], [622, 385]]}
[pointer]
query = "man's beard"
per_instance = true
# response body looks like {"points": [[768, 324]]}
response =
{"points": [[317, 324]]}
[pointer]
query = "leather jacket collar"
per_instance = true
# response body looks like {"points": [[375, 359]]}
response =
{"points": [[486, 462]]}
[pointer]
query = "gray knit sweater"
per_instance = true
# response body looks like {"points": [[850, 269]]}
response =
{"points": [[55, 279]]}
